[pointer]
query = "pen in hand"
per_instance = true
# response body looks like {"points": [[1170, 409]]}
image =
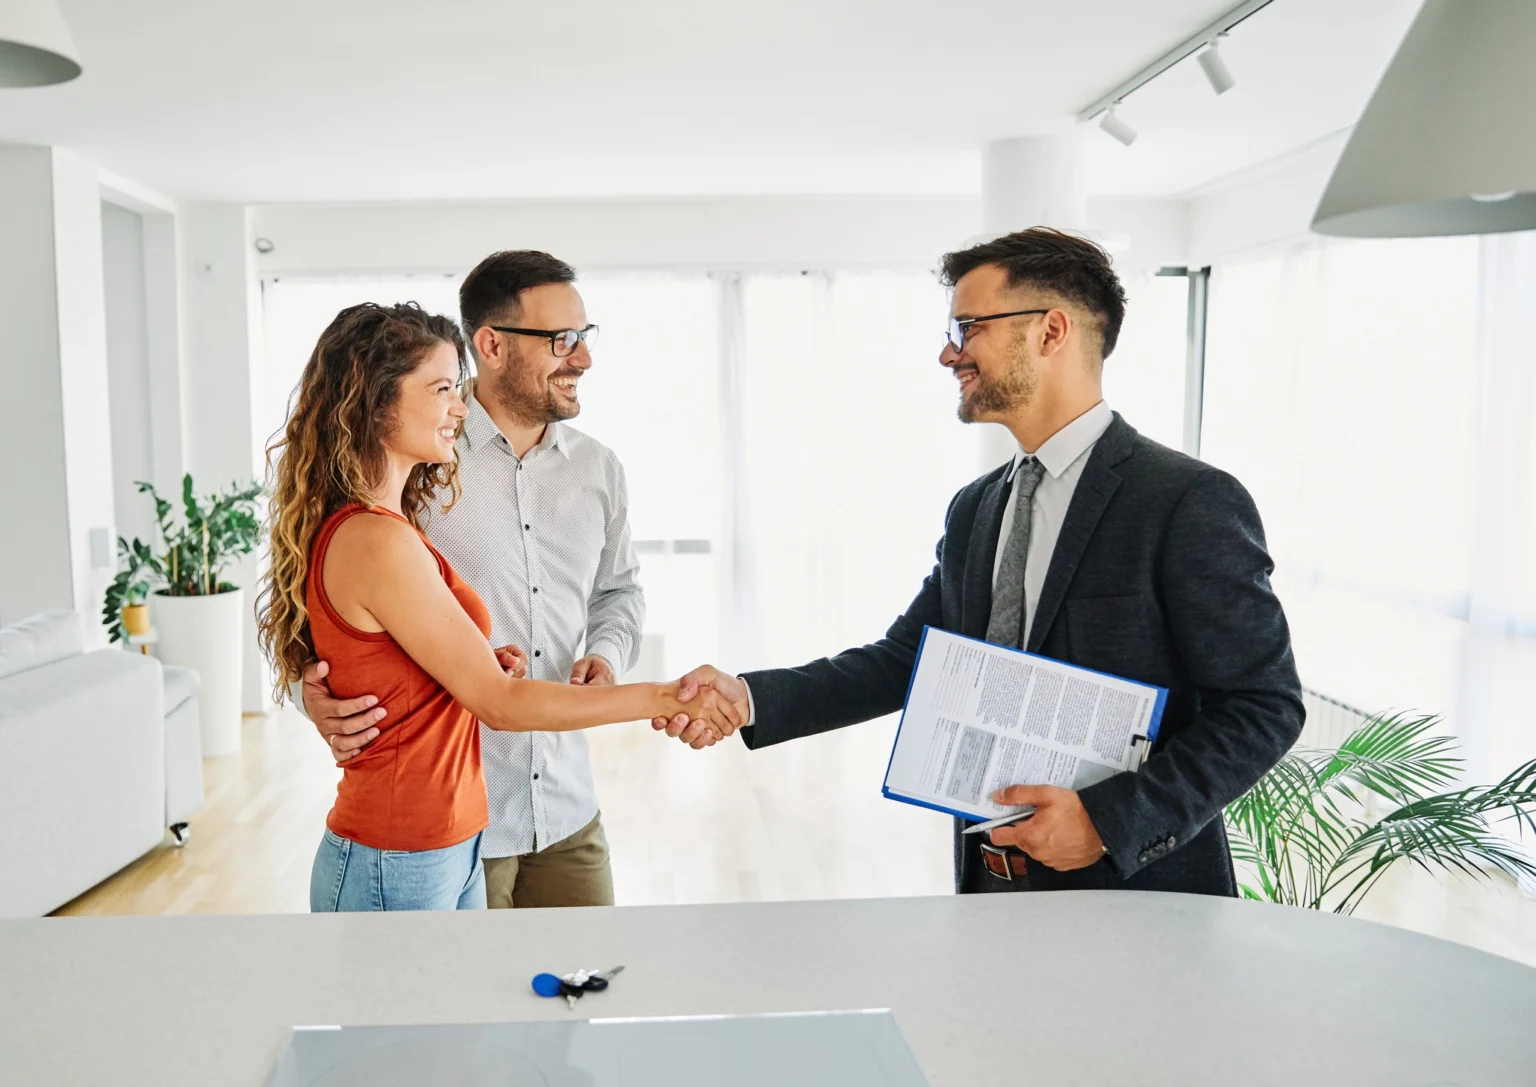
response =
{"points": [[1002, 821]]}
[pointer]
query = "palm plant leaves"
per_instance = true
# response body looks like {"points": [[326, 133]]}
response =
{"points": [[1395, 756], [1446, 832], [1304, 832]]}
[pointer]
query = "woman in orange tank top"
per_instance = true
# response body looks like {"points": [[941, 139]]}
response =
{"points": [[369, 446]]}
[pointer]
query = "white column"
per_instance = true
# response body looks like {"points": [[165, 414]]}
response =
{"points": [[221, 307], [1030, 181], [55, 429], [1033, 181]]}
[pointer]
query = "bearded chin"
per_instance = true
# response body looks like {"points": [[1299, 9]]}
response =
{"points": [[1011, 392], [985, 399], [533, 406], [559, 408]]}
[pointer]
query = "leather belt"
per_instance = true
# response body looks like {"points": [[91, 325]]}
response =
{"points": [[1004, 862]]}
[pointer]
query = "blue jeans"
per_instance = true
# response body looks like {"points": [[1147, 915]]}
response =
{"points": [[349, 877]]}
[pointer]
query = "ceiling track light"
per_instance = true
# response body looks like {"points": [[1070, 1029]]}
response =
{"points": [[1203, 45], [1216, 71], [1117, 128]]}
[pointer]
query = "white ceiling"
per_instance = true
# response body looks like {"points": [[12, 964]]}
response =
{"points": [[462, 99]]}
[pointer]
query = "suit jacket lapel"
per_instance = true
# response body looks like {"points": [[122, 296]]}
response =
{"points": [[981, 556], [1094, 490]]}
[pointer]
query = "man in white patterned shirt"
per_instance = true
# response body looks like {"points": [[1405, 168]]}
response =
{"points": [[542, 534]]}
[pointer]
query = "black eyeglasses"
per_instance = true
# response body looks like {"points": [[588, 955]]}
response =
{"points": [[562, 341], [955, 337]]}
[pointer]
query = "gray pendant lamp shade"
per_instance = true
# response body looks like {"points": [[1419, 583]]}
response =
{"points": [[1448, 142], [35, 46]]}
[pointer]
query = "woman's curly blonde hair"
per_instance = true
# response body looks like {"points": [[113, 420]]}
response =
{"points": [[331, 455]]}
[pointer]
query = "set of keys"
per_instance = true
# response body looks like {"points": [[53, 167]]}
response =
{"points": [[574, 986]]}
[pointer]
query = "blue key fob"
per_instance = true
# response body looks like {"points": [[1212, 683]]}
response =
{"points": [[548, 985]]}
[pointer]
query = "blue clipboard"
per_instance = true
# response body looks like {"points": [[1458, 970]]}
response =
{"points": [[1159, 704]]}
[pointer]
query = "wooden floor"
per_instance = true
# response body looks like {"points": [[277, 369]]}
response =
{"points": [[804, 820]]}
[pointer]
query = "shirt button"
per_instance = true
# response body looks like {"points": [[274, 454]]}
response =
{"points": [[537, 653], [535, 588], [527, 528], [535, 777]]}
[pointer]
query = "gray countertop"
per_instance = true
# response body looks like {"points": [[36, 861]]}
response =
{"points": [[1092, 988]]}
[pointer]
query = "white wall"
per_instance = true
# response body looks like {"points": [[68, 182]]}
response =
{"points": [[221, 306], [697, 233], [745, 232], [56, 432], [83, 369], [34, 532], [1157, 231], [122, 237], [1261, 207]]}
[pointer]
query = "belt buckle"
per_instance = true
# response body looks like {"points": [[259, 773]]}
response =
{"points": [[1003, 859]]}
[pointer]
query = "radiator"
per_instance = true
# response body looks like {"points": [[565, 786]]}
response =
{"points": [[1329, 721]]}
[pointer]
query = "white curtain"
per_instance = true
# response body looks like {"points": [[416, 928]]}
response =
{"points": [[1144, 378], [1376, 399], [850, 451]]}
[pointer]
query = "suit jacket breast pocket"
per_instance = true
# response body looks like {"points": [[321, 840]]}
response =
{"points": [[1116, 634]]}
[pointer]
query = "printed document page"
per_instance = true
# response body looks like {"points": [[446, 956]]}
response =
{"points": [[980, 717]]}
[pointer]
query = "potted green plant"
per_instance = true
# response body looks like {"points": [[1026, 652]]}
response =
{"points": [[1308, 835], [199, 614], [125, 611]]}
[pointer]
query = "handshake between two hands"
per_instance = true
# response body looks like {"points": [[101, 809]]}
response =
{"points": [[715, 706], [715, 702]]}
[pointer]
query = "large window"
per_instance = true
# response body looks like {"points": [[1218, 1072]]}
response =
{"points": [[1355, 389], [1144, 378], [653, 396], [851, 452]]}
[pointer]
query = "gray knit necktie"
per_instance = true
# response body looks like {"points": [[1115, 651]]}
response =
{"points": [[1006, 627]]}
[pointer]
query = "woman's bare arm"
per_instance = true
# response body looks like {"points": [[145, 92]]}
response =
{"points": [[381, 566]]}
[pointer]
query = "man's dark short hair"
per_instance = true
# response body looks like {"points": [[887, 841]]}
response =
{"points": [[490, 292], [1072, 268]]}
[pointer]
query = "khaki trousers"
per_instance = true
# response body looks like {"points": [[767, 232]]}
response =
{"points": [[572, 872]]}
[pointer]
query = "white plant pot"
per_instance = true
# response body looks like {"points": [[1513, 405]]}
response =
{"points": [[204, 633]]}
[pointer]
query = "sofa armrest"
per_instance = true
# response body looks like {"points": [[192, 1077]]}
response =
{"points": [[82, 775]]}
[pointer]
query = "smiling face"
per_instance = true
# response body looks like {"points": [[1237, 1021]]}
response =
{"points": [[996, 369], [428, 409], [526, 378]]}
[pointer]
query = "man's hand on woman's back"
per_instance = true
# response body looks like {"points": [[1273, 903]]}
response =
{"points": [[347, 725]]}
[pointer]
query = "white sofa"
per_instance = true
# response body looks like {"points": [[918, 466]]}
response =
{"points": [[84, 761]]}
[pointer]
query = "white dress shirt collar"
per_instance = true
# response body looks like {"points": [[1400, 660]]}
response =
{"points": [[480, 430], [1062, 449]]}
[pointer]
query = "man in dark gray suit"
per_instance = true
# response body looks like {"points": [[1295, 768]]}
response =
{"points": [[1094, 546]]}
